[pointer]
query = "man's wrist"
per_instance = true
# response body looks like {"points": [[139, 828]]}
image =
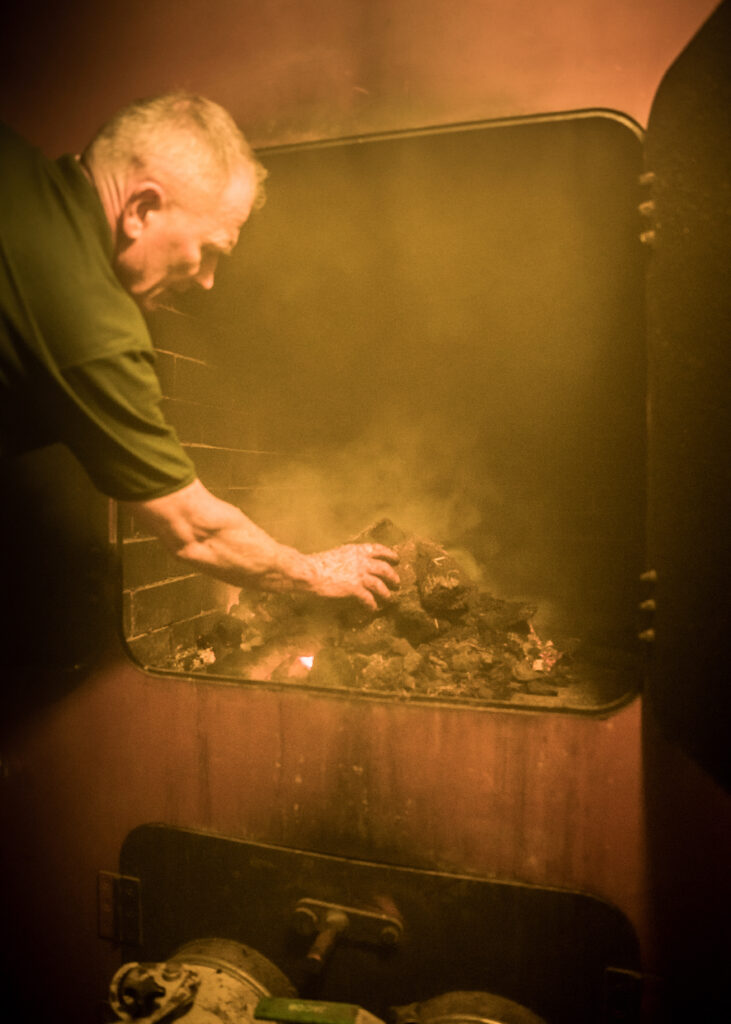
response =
{"points": [[292, 570]]}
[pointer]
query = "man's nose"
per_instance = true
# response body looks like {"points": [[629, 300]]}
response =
{"points": [[205, 278], [205, 272]]}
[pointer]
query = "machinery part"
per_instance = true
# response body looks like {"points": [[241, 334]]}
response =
{"points": [[328, 921], [210, 981], [334, 923], [152, 992], [466, 1008], [241, 962]]}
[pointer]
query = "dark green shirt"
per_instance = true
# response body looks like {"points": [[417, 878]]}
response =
{"points": [[76, 358]]}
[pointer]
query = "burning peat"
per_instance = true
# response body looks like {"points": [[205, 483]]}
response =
{"points": [[440, 636]]}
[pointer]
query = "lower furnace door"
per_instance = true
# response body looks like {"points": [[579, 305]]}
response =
{"points": [[567, 956]]}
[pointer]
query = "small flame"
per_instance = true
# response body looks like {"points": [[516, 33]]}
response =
{"points": [[307, 660]]}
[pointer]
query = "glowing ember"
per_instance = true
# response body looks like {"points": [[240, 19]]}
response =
{"points": [[548, 653], [307, 660]]}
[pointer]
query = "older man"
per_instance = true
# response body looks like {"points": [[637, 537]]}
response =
{"points": [[88, 242]]}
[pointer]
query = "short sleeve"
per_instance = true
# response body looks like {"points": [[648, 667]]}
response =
{"points": [[113, 423]]}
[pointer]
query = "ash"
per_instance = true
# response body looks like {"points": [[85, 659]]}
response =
{"points": [[440, 637]]}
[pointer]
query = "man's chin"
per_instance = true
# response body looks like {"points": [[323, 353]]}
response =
{"points": [[153, 302]]}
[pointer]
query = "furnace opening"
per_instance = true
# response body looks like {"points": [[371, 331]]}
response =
{"points": [[442, 331]]}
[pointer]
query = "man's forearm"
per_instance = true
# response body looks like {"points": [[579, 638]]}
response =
{"points": [[219, 539]]}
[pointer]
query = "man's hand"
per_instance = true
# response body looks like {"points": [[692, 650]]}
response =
{"points": [[363, 571]]}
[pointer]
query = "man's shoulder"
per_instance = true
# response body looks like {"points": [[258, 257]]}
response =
{"points": [[53, 228], [17, 152], [59, 278], [28, 182], [9, 137]]}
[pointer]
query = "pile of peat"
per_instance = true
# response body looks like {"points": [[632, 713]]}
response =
{"points": [[440, 636]]}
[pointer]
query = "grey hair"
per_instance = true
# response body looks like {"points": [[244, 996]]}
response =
{"points": [[181, 136]]}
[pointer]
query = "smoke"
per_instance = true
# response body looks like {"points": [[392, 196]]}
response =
{"points": [[416, 473], [430, 480]]}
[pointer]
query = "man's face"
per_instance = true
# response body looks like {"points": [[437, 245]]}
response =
{"points": [[174, 246]]}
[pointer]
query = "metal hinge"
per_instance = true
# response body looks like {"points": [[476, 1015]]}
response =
{"points": [[647, 608], [118, 908], [648, 210]]}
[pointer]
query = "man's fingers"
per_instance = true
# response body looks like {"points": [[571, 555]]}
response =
{"points": [[381, 561], [383, 571], [377, 587], [381, 551], [365, 597]]}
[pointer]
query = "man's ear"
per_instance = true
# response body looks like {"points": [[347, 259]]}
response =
{"points": [[136, 211]]}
